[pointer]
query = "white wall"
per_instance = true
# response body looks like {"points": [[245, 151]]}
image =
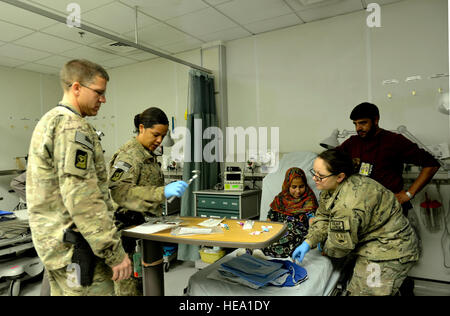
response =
{"points": [[132, 89], [412, 41], [306, 79], [25, 96], [158, 82]]}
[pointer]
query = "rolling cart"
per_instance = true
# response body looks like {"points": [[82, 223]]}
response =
{"points": [[18, 262]]}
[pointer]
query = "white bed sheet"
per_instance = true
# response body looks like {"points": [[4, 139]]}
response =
{"points": [[322, 279]]}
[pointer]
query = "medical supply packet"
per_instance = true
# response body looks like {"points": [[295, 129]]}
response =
{"points": [[193, 230]]}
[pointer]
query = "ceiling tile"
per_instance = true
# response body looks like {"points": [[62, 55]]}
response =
{"points": [[159, 34], [217, 2], [61, 6], [380, 2], [142, 56], [92, 54], [118, 62], [20, 52], [117, 17], [273, 23], [55, 61], [166, 9], [23, 17], [301, 5], [335, 9], [40, 68], [247, 11], [211, 21], [184, 45], [226, 35], [10, 32], [11, 62], [46, 42], [72, 33]]}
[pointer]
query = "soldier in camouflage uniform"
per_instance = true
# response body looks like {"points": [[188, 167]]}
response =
{"points": [[67, 187], [137, 183], [359, 216]]}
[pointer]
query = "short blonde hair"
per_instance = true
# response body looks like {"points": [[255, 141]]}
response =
{"points": [[81, 70]]}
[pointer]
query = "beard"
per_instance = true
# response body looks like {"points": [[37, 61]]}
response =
{"points": [[369, 134]]}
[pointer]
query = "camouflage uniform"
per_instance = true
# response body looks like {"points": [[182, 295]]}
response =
{"points": [[66, 188], [137, 187], [363, 218]]}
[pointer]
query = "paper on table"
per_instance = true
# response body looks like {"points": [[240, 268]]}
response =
{"points": [[149, 228], [212, 222]]}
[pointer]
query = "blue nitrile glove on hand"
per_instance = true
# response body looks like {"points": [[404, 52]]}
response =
{"points": [[176, 188], [300, 252]]}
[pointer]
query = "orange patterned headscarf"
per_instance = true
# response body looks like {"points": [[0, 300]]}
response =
{"points": [[286, 204]]}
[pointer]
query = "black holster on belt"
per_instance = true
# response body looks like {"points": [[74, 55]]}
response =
{"points": [[82, 255]]}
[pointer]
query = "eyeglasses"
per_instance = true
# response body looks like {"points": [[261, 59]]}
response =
{"points": [[320, 178], [100, 93]]}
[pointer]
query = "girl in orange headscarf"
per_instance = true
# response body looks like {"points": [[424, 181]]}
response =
{"points": [[294, 205]]}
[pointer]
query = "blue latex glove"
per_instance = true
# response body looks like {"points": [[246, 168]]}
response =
{"points": [[300, 252], [176, 188]]}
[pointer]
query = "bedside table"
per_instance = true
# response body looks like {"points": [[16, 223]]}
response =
{"points": [[228, 204]]}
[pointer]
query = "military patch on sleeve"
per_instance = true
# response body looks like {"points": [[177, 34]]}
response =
{"points": [[81, 158], [83, 139], [117, 175], [122, 165], [337, 225]]}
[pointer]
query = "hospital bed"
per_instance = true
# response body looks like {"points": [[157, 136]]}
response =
{"points": [[18, 259], [324, 276]]}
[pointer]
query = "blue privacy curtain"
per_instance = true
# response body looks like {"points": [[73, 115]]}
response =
{"points": [[201, 115]]}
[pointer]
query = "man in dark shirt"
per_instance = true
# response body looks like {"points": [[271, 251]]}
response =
{"points": [[380, 154]]}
